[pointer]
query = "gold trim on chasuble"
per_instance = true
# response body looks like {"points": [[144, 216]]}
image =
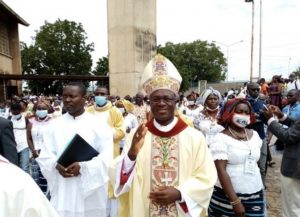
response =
{"points": [[164, 171]]}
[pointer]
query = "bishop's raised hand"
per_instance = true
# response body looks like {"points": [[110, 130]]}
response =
{"points": [[137, 141]]}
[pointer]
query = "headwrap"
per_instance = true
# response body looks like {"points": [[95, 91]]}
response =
{"points": [[160, 73], [127, 105], [202, 98], [228, 110]]}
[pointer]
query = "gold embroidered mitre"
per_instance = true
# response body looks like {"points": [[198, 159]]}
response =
{"points": [[160, 73]]}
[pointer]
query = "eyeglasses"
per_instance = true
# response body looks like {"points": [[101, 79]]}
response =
{"points": [[167, 100], [255, 89], [290, 95]]}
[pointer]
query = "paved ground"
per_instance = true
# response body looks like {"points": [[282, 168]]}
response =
{"points": [[273, 187]]}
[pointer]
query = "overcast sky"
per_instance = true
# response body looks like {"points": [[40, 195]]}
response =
{"points": [[223, 21]]}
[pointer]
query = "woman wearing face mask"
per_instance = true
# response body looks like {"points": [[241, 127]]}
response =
{"points": [[192, 110], [35, 133], [130, 120], [206, 121], [236, 150]]}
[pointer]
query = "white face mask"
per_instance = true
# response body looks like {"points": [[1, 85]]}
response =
{"points": [[191, 102], [241, 120]]}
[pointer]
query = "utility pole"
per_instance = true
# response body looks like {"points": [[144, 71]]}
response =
{"points": [[252, 43], [260, 39], [252, 40]]}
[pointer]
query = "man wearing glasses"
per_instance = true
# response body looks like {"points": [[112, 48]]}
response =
{"points": [[166, 168], [257, 105]]}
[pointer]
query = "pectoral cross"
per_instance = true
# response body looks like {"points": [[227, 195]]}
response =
{"points": [[166, 180]]}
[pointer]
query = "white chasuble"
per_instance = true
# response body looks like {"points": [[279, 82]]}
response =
{"points": [[178, 158]]}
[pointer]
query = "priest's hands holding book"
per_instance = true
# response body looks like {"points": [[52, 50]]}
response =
{"points": [[165, 195], [137, 142], [70, 171]]}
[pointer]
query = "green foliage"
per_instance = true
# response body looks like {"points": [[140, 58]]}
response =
{"points": [[57, 49], [297, 72], [196, 61], [101, 67]]}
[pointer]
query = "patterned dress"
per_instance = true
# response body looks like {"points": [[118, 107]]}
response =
{"points": [[141, 113], [275, 99], [208, 126]]}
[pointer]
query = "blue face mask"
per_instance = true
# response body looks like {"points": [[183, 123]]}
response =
{"points": [[100, 100], [41, 113], [16, 117], [122, 110]]}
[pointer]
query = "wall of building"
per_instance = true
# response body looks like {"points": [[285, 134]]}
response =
{"points": [[10, 60], [131, 42]]}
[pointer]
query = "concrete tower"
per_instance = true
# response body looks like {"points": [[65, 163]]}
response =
{"points": [[131, 42]]}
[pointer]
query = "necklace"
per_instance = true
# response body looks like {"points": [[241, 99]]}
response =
{"points": [[209, 109], [212, 118], [238, 135]]}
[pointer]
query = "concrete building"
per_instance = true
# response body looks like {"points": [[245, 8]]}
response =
{"points": [[131, 42], [10, 55]]}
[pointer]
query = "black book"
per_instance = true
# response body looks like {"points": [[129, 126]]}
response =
{"points": [[78, 150]]}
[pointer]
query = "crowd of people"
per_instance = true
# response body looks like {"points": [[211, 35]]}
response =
{"points": [[161, 152]]}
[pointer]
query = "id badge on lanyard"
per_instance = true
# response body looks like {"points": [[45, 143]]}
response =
{"points": [[250, 164]]}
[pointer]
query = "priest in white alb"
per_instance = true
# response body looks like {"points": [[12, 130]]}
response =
{"points": [[166, 168], [19, 194], [80, 189]]}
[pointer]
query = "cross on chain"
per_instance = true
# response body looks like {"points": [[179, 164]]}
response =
{"points": [[166, 179]]}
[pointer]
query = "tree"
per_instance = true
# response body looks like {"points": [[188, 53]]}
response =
{"points": [[101, 67], [297, 72], [57, 49], [196, 61]]}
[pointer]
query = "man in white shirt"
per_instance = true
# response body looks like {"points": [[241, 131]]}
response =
{"points": [[80, 189], [293, 83]]}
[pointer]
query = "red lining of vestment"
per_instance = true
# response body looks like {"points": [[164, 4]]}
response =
{"points": [[179, 127]]}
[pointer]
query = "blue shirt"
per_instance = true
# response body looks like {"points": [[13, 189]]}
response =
{"points": [[293, 112], [257, 107]]}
